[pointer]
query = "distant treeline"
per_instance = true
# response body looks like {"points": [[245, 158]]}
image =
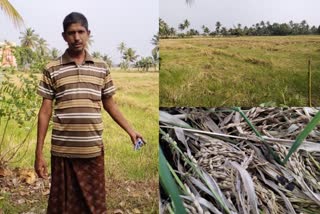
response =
{"points": [[259, 29]]}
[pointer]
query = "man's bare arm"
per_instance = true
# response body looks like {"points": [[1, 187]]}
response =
{"points": [[44, 116], [111, 107]]}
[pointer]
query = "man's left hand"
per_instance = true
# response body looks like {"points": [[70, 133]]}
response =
{"points": [[134, 137]]}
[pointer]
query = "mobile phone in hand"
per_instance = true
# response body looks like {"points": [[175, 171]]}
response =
{"points": [[138, 144]]}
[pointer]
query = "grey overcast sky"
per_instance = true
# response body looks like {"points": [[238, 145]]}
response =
{"points": [[232, 12], [110, 21]]}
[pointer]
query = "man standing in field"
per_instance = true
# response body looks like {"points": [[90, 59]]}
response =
{"points": [[78, 83]]}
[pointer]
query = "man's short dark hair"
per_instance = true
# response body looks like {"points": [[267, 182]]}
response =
{"points": [[73, 18]]}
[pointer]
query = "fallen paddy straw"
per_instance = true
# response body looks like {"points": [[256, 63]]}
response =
{"points": [[218, 148]]}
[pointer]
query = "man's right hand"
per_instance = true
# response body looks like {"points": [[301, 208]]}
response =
{"points": [[41, 167]]}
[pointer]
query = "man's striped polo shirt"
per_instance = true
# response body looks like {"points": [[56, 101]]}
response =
{"points": [[77, 91]]}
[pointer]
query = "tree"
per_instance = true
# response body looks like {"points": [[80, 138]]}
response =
{"points": [[205, 29], [155, 40], [181, 27], [97, 55], [29, 38], [155, 57], [124, 65], [173, 31], [263, 28], [218, 26], [11, 12], [130, 55], [145, 63], [42, 47], [192, 32], [24, 56], [54, 53], [122, 47], [313, 30], [164, 29], [107, 60], [155, 50], [186, 24]]}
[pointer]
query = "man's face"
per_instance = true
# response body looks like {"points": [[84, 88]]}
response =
{"points": [[76, 36]]}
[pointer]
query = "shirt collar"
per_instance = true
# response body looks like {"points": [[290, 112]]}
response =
{"points": [[66, 58]]}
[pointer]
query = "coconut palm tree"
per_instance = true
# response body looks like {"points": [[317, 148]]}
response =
{"points": [[172, 31], [189, 2], [29, 38], [186, 23], [155, 40], [130, 55], [218, 26], [54, 53], [97, 55], [122, 47], [156, 58], [42, 47], [155, 50], [107, 60], [11, 12], [205, 29], [181, 27]]}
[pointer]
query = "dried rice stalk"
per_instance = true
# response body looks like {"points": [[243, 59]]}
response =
{"points": [[232, 147]]}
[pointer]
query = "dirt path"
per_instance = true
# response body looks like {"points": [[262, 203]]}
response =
{"points": [[22, 192]]}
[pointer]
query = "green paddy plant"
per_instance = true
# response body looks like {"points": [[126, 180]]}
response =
{"points": [[302, 136], [275, 155], [169, 184]]}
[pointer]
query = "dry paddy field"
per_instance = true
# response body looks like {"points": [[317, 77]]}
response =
{"points": [[239, 71]]}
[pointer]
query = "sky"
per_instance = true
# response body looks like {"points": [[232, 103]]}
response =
{"points": [[110, 21], [232, 12]]}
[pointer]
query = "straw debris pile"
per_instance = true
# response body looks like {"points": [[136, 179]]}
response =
{"points": [[225, 162]]}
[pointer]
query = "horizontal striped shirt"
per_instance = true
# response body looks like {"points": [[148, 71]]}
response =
{"points": [[77, 91]]}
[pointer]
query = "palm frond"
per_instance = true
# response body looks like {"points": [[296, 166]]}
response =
{"points": [[12, 13]]}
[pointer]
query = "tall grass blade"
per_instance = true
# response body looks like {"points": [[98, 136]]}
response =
{"points": [[311, 125], [177, 179], [275, 155], [169, 184], [238, 109]]}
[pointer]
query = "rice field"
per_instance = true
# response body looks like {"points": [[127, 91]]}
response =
{"points": [[127, 170], [228, 160], [239, 71]]}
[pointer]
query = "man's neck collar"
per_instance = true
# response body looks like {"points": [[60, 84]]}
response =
{"points": [[66, 58]]}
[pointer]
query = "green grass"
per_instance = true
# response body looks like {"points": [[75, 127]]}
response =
{"points": [[138, 99], [239, 71]]}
